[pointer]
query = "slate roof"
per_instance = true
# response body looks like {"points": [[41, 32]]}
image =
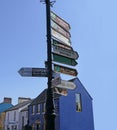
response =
{"points": [[42, 97], [72, 80], [5, 106], [19, 105]]}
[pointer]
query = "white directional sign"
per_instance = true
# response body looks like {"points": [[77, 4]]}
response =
{"points": [[60, 29], [60, 37], [33, 72], [66, 85]]}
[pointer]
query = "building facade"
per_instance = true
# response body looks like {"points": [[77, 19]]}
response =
{"points": [[73, 112], [6, 104], [14, 119], [37, 111]]}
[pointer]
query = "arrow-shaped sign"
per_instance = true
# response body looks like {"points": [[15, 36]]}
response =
{"points": [[66, 85], [33, 72], [60, 21], [64, 60], [65, 70], [65, 52], [61, 91]]}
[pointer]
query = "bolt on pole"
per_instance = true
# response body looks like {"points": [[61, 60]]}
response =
{"points": [[50, 110]]}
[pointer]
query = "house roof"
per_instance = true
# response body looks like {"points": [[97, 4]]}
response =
{"points": [[42, 97], [25, 109], [73, 80], [5, 106], [19, 105]]}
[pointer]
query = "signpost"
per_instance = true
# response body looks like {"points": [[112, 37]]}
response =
{"points": [[64, 60], [60, 21], [58, 36], [33, 72], [65, 70], [65, 52]]}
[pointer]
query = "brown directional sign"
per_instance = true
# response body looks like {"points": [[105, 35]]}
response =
{"points": [[65, 70], [60, 29], [64, 60], [61, 44], [65, 52], [60, 21], [60, 91]]}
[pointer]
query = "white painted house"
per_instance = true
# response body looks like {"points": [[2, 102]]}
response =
{"points": [[15, 119]]}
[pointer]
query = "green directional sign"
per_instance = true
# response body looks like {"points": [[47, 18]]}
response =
{"points": [[64, 60], [65, 70]]}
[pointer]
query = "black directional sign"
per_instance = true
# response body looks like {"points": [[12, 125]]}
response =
{"points": [[65, 52], [33, 72]]}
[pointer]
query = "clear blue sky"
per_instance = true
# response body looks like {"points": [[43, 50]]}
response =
{"points": [[93, 30]]}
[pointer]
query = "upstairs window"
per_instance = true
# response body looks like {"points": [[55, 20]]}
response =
{"points": [[78, 102], [38, 108], [33, 109], [43, 107], [14, 115]]}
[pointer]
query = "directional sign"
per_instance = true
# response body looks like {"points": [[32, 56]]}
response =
{"points": [[66, 85], [65, 70], [33, 72], [60, 21], [60, 29], [64, 60], [65, 52], [60, 37], [61, 91], [56, 81], [61, 44]]}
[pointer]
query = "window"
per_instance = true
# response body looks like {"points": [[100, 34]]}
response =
{"points": [[8, 117], [43, 107], [78, 102], [38, 108], [33, 109], [14, 115], [22, 122]]}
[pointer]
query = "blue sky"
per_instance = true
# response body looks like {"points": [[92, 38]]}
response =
{"points": [[93, 30]]}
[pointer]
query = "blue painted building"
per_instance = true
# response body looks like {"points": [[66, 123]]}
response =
{"points": [[6, 104], [73, 112]]}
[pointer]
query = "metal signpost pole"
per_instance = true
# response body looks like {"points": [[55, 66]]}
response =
{"points": [[50, 111]]}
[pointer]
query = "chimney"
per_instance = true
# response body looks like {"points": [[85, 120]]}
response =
{"points": [[7, 100], [23, 99]]}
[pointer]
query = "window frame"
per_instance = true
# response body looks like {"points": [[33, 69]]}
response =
{"points": [[78, 102]]}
